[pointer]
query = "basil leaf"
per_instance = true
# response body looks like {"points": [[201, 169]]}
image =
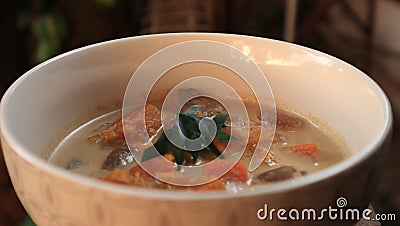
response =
{"points": [[223, 137], [211, 148], [195, 155], [220, 120], [161, 146], [149, 154], [187, 127], [178, 154]]}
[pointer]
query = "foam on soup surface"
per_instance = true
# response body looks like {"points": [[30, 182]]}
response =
{"points": [[300, 147]]}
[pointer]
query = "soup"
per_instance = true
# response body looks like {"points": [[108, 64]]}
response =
{"points": [[300, 147]]}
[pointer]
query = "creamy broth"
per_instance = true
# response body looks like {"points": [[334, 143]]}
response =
{"points": [[300, 148]]}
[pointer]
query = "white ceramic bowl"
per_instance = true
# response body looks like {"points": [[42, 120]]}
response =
{"points": [[45, 101]]}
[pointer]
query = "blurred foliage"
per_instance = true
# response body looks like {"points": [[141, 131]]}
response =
{"points": [[50, 30], [27, 222], [107, 3], [43, 23]]}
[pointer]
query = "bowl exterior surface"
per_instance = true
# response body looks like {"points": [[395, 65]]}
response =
{"points": [[51, 200]]}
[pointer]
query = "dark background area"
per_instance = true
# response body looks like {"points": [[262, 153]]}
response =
{"points": [[32, 31]]}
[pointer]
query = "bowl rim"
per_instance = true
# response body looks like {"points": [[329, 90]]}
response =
{"points": [[278, 187]]}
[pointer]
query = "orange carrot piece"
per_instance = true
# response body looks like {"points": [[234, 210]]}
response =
{"points": [[158, 164], [154, 165], [220, 146], [115, 135], [211, 186], [133, 122], [170, 157], [119, 176], [238, 173], [310, 150], [137, 171], [140, 179]]}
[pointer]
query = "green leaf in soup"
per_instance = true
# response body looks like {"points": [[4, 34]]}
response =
{"points": [[178, 153], [224, 137], [188, 125], [211, 148], [161, 147], [220, 120]]}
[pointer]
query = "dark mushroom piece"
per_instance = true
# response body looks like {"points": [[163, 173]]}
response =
{"points": [[278, 174], [73, 164], [117, 158]]}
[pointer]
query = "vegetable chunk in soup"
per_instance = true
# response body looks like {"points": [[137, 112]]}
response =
{"points": [[98, 148]]}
